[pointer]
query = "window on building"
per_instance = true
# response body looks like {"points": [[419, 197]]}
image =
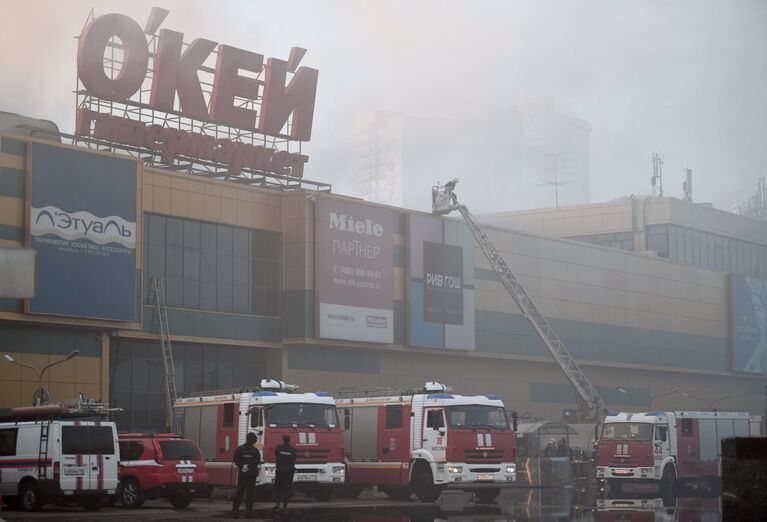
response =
{"points": [[198, 367], [658, 239], [393, 416], [213, 267]]}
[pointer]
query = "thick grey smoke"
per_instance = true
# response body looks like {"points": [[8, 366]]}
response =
{"points": [[686, 79]]}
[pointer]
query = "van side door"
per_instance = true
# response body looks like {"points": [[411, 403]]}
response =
{"points": [[8, 480], [75, 459], [104, 455]]}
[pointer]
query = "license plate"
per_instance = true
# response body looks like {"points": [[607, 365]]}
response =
{"points": [[304, 477], [485, 476], [75, 471], [185, 470], [621, 472]]}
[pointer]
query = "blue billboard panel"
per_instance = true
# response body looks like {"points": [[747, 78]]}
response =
{"points": [[749, 302], [83, 227], [441, 284]]}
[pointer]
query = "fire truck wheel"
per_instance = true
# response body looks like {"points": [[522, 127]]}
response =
{"points": [[348, 491], [11, 502], [29, 493], [402, 493], [423, 484], [131, 494], [323, 493], [668, 480], [180, 501], [487, 496]]}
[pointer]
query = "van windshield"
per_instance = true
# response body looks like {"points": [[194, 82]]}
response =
{"points": [[627, 431], [179, 450], [302, 414], [477, 416]]}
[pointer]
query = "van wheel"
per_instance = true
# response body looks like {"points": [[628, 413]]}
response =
{"points": [[30, 497], [397, 493], [180, 500], [11, 502], [131, 494], [92, 503], [486, 496], [423, 484]]}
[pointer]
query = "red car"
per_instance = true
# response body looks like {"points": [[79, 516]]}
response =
{"points": [[160, 465]]}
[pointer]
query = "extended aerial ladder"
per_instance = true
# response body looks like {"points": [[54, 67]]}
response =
{"points": [[591, 405], [158, 289]]}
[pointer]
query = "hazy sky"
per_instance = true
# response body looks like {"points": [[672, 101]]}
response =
{"points": [[687, 79]]}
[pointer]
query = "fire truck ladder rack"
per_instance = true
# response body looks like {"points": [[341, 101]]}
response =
{"points": [[590, 403], [167, 350], [383, 391]]}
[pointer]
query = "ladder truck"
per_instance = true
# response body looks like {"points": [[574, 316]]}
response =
{"points": [[592, 407]]}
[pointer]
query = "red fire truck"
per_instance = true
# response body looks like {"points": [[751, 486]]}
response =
{"points": [[665, 446], [423, 441], [220, 423]]}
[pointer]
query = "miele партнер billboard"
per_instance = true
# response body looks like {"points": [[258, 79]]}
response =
{"points": [[355, 271]]}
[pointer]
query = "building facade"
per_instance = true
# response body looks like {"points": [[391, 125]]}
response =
{"points": [[327, 291]]}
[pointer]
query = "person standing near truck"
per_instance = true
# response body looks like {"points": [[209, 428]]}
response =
{"points": [[247, 458], [285, 464]]}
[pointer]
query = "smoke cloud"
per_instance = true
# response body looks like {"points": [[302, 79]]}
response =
{"points": [[684, 79]]}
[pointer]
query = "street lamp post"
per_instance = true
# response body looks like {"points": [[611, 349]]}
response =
{"points": [[694, 397], [40, 373], [662, 395], [711, 404], [623, 390]]}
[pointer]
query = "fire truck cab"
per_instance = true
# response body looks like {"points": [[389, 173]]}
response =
{"points": [[423, 441], [220, 423], [665, 446]]}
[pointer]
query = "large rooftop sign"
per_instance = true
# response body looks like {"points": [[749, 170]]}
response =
{"points": [[203, 103]]}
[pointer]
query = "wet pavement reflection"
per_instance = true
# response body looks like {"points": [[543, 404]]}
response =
{"points": [[546, 504]]}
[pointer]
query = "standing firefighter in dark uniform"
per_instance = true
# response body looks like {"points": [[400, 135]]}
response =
{"points": [[285, 462], [247, 458]]}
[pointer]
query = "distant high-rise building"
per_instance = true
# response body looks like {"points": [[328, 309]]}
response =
{"points": [[515, 157]]}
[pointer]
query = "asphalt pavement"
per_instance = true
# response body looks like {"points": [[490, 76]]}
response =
{"points": [[301, 509]]}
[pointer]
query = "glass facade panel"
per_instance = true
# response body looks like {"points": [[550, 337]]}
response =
{"points": [[710, 250], [658, 239], [138, 380], [214, 267]]}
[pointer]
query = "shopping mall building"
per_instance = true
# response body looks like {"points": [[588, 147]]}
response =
{"points": [[327, 291], [266, 273]]}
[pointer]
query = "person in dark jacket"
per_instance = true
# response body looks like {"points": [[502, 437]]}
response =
{"points": [[285, 462], [247, 458]]}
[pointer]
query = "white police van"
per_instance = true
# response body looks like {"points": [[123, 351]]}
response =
{"points": [[58, 451]]}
